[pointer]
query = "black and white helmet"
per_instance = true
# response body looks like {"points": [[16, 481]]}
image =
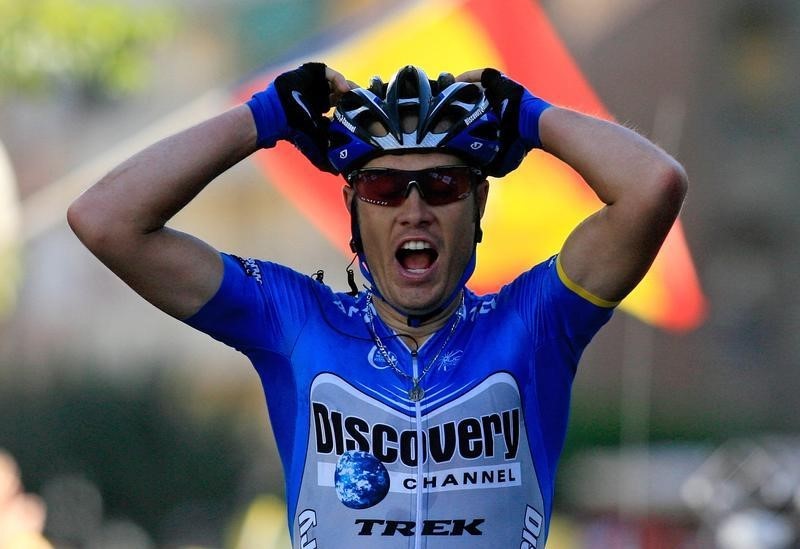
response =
{"points": [[413, 113]]}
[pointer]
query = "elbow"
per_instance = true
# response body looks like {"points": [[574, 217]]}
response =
{"points": [[669, 185], [79, 218], [678, 181], [85, 217]]}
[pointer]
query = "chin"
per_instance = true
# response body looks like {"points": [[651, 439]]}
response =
{"points": [[421, 304], [418, 307]]}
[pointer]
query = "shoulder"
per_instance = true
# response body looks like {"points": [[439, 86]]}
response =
{"points": [[266, 305], [266, 277], [548, 281], [285, 284], [548, 302]]}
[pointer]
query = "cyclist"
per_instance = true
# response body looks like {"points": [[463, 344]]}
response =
{"points": [[413, 413]]}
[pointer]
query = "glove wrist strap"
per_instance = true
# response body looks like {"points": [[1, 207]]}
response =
{"points": [[530, 110], [269, 117]]}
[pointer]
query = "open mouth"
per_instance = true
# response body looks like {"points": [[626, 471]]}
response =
{"points": [[416, 256]]}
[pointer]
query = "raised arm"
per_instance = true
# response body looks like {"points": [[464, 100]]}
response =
{"points": [[122, 219], [641, 186]]}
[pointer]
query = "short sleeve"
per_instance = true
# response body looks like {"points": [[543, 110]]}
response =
{"points": [[554, 307], [259, 305]]}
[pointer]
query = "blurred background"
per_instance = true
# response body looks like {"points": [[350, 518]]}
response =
{"points": [[120, 427]]}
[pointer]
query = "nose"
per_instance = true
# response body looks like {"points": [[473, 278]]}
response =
{"points": [[414, 210]]}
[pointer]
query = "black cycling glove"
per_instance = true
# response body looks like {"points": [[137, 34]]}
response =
{"points": [[293, 108], [519, 113]]}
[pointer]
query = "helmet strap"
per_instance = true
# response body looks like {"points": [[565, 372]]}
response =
{"points": [[356, 245]]}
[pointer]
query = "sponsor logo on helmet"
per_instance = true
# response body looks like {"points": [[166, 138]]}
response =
{"points": [[344, 121], [477, 114], [476, 145], [343, 154]]}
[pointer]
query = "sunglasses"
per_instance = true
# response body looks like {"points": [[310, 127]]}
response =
{"points": [[437, 186]]}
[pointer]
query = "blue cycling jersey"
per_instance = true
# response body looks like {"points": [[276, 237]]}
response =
{"points": [[471, 464]]}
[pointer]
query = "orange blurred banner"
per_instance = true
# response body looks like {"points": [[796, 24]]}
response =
{"points": [[532, 210]]}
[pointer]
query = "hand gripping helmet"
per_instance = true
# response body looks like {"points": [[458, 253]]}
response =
{"points": [[413, 114]]}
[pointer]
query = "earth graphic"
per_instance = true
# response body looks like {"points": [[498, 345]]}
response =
{"points": [[361, 479]]}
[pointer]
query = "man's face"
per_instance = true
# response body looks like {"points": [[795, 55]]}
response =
{"points": [[417, 252]]}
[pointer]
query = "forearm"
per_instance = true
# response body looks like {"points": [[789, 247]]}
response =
{"points": [[616, 162], [140, 195]]}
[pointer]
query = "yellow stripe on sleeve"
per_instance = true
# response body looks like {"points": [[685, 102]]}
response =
{"points": [[583, 292]]}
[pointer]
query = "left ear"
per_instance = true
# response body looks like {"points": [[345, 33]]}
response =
{"points": [[481, 195]]}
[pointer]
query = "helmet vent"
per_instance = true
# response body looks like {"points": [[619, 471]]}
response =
{"points": [[350, 101], [408, 85], [445, 80], [447, 118], [409, 118], [377, 86], [471, 94], [371, 123]]}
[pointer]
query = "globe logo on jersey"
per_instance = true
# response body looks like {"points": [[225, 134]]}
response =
{"points": [[378, 360], [361, 480]]}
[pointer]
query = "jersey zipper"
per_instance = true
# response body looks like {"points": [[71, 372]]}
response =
{"points": [[418, 521]]}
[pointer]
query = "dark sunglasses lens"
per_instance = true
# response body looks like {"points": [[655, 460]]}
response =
{"points": [[384, 188], [445, 185]]}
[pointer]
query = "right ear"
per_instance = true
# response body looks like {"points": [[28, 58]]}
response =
{"points": [[347, 195]]}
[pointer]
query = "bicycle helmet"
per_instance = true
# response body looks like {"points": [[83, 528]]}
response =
{"points": [[413, 113]]}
